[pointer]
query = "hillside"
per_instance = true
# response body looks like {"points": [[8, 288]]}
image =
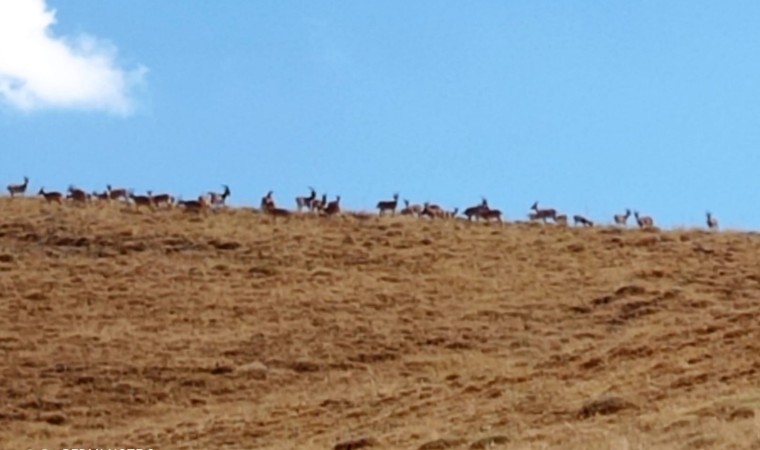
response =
{"points": [[170, 330]]}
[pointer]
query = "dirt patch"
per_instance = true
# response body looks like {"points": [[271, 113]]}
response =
{"points": [[604, 406]]}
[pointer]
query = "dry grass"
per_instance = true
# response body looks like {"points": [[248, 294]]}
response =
{"points": [[176, 331]]}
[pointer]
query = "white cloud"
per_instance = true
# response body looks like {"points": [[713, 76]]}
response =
{"points": [[39, 70]]}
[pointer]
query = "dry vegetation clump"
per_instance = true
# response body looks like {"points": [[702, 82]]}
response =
{"points": [[234, 329]]}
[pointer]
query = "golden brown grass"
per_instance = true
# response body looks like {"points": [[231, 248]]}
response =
{"points": [[235, 330]]}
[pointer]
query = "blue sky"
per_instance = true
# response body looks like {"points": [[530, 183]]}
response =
{"points": [[588, 107]]}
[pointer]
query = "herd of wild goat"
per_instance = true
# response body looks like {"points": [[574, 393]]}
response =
{"points": [[322, 206]]}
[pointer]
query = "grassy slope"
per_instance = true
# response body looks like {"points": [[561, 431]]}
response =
{"points": [[168, 330]]}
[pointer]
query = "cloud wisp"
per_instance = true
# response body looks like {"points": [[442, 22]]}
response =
{"points": [[39, 70]]}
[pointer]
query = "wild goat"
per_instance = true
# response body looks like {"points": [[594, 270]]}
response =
{"points": [[307, 202], [115, 194], [142, 200], [643, 222], [277, 212], [490, 213], [20, 189], [388, 205], [319, 205], [451, 214], [51, 196], [267, 201], [411, 210], [578, 219], [103, 196], [333, 207], [431, 211], [78, 195], [543, 214], [712, 222], [194, 205], [560, 219], [622, 219], [164, 199], [218, 199], [476, 211]]}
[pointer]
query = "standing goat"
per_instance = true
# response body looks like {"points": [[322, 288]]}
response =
{"points": [[267, 201], [333, 207], [622, 219], [451, 214], [78, 195], [643, 221], [712, 222], [168, 200], [142, 200], [218, 198], [307, 202], [476, 211], [490, 213], [51, 196], [319, 205], [388, 205], [115, 194], [543, 214], [578, 219], [20, 189], [102, 196]]}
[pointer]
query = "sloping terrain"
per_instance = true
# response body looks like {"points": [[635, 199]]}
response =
{"points": [[173, 330]]}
